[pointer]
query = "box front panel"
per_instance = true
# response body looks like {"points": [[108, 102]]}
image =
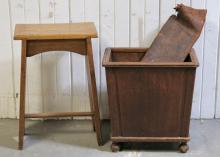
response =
{"points": [[150, 101]]}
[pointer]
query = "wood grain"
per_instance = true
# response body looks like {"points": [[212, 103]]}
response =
{"points": [[58, 114], [148, 102], [7, 101], [178, 35], [93, 90], [22, 95], [107, 37], [50, 11], [55, 31], [199, 47], [80, 94], [152, 21], [40, 46], [17, 16], [82, 46], [137, 20], [92, 10], [150, 139], [211, 51], [34, 74], [133, 56]]}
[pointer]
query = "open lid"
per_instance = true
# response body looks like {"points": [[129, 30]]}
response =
{"points": [[177, 37]]}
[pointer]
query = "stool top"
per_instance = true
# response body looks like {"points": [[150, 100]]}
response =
{"points": [[55, 31]]}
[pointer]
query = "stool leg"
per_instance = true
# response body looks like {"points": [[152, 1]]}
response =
{"points": [[90, 93], [93, 90], [92, 109], [22, 96]]}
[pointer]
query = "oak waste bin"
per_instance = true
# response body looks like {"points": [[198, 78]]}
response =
{"points": [[148, 102]]}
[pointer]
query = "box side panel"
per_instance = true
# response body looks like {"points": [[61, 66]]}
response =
{"points": [[187, 104], [114, 109]]}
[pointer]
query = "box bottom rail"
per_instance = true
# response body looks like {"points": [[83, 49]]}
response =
{"points": [[149, 139], [117, 141]]}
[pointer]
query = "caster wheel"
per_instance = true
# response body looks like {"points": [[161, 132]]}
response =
{"points": [[115, 147], [183, 147]]}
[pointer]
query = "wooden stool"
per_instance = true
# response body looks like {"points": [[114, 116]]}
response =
{"points": [[39, 38]]}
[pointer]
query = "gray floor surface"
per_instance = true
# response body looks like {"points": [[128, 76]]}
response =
{"points": [[66, 138]]}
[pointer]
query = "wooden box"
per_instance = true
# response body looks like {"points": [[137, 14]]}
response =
{"points": [[148, 102]]}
